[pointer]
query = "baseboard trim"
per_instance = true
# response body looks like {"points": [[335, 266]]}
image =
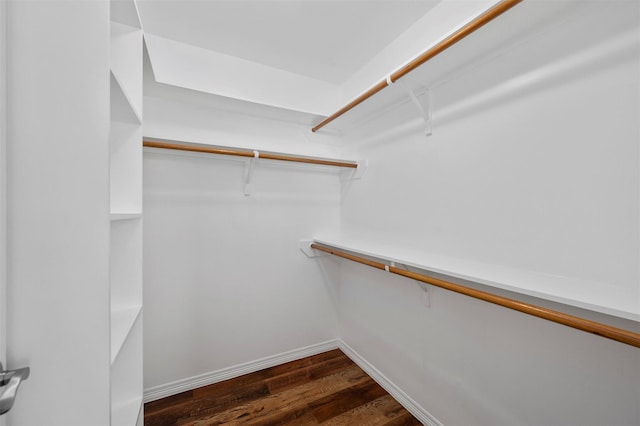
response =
{"points": [[405, 400], [217, 376], [162, 391]]}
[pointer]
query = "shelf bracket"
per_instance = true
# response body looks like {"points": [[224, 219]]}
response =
{"points": [[425, 111], [426, 295], [248, 172], [357, 173]]}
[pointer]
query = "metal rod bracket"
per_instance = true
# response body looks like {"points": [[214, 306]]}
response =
{"points": [[305, 247], [357, 173]]}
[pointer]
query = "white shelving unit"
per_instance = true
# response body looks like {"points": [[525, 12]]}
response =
{"points": [[125, 251], [540, 24], [593, 296]]}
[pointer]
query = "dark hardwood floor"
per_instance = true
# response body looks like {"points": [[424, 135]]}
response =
{"points": [[327, 389]]}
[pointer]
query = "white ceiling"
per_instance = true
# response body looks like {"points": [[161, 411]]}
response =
{"points": [[327, 40]]}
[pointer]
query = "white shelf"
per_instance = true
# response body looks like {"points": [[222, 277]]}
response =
{"points": [[594, 296], [475, 64], [125, 216], [122, 321], [125, 12], [122, 108], [126, 413]]}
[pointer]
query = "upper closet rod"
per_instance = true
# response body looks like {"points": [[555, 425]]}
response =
{"points": [[247, 153], [469, 28], [620, 335]]}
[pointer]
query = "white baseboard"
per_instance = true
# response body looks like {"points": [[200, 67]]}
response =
{"points": [[405, 400], [162, 391], [217, 376]]}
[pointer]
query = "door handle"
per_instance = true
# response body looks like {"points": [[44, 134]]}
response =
{"points": [[9, 382]]}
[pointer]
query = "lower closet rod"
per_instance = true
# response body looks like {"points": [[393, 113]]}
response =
{"points": [[603, 330], [247, 153]]}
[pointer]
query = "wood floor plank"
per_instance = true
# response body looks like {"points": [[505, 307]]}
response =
{"points": [[161, 404], [376, 412], [267, 373], [299, 416], [345, 400], [304, 362], [327, 388], [212, 402], [302, 375], [404, 419], [276, 405], [210, 405]]}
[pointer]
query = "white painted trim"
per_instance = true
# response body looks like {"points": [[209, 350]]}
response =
{"points": [[3, 187], [405, 400], [205, 379]]}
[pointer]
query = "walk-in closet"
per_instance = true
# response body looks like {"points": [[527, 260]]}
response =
{"points": [[320, 212]]}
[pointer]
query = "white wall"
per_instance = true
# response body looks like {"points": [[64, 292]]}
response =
{"points": [[538, 170], [533, 164], [58, 211], [224, 279]]}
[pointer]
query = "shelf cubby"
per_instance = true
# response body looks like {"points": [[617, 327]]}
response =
{"points": [[126, 388]]}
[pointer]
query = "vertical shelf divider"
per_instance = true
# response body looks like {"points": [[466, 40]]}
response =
{"points": [[125, 195]]}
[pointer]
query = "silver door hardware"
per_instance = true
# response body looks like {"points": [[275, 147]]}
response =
{"points": [[9, 382]]}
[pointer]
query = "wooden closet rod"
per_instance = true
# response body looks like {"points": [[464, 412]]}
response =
{"points": [[469, 28], [620, 335], [247, 153]]}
